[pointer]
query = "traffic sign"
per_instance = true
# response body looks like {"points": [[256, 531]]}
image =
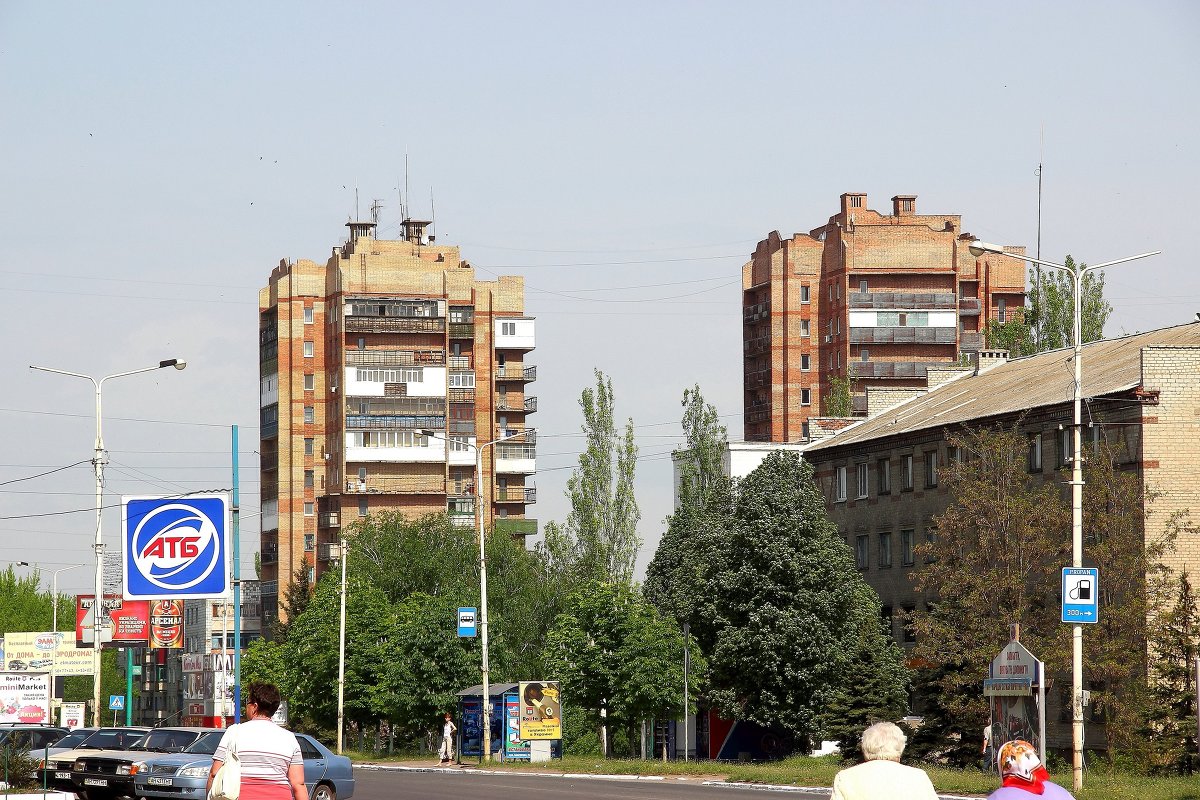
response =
{"points": [[175, 547], [1080, 593], [466, 622], [116, 702]]}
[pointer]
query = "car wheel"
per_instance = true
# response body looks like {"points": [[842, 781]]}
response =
{"points": [[323, 791]]}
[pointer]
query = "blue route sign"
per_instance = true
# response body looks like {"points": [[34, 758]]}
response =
{"points": [[466, 622], [1080, 590], [175, 547], [116, 702]]}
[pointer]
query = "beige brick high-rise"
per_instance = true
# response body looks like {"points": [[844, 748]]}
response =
{"points": [[359, 358], [876, 299]]}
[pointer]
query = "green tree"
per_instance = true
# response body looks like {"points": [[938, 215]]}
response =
{"points": [[838, 402], [296, 598], [678, 575], [1169, 718], [791, 609], [1048, 322], [599, 539]]}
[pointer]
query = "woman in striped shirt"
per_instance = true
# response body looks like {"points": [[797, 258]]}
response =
{"points": [[272, 767]]}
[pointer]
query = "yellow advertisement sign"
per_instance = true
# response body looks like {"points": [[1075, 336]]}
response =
{"points": [[541, 711], [46, 652]]}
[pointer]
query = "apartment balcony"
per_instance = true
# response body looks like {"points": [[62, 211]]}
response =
{"points": [[530, 405], [365, 421], [903, 335], [516, 459], [397, 484], [269, 554], [528, 435], [756, 312], [461, 396], [395, 358], [968, 306], [757, 378], [461, 362], [756, 346], [527, 405], [268, 430], [893, 369], [970, 341], [516, 527], [516, 373], [328, 519], [757, 416], [395, 325], [460, 520], [515, 494], [462, 488], [462, 330], [903, 301]]}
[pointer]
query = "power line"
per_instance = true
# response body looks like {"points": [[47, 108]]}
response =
{"points": [[43, 474]]}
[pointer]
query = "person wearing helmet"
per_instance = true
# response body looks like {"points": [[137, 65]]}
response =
{"points": [[1023, 776]]}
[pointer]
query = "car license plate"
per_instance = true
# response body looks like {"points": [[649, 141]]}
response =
{"points": [[62, 776], [158, 781], [95, 781]]}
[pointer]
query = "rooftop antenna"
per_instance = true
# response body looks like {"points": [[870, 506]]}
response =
{"points": [[356, 201], [376, 204], [1037, 273], [432, 215], [406, 184]]}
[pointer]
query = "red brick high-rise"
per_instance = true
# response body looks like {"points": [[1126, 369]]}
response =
{"points": [[869, 297]]}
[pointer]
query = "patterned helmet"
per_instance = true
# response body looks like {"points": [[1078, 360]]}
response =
{"points": [[1018, 758]]}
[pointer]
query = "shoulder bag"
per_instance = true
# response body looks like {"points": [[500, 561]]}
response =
{"points": [[227, 783]]}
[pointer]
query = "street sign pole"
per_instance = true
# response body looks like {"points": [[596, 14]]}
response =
{"points": [[129, 686]]}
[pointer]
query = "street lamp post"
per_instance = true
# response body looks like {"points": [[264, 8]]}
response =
{"points": [[979, 248], [98, 462], [54, 590], [343, 554], [483, 596]]}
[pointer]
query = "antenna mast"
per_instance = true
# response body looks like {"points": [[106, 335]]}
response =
{"points": [[432, 213], [1037, 279]]}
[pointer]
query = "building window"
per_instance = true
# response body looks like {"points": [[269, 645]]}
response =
{"points": [[908, 544], [906, 473], [312, 575], [1001, 310], [508, 329], [885, 550], [862, 480], [864, 355], [805, 328], [310, 541], [463, 380], [805, 362], [839, 484], [309, 446], [804, 293], [883, 471], [310, 382], [862, 286], [862, 550], [308, 509], [414, 375], [931, 467], [806, 397], [308, 315], [310, 415], [1066, 446], [362, 506], [309, 479], [1035, 453], [308, 349]]}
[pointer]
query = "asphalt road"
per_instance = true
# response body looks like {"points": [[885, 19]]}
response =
{"points": [[387, 785]]}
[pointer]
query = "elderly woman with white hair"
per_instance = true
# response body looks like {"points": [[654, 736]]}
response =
{"points": [[882, 775]]}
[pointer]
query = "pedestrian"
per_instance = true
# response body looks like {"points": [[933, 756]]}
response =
{"points": [[1023, 776], [271, 765], [882, 774], [988, 750], [448, 730]]}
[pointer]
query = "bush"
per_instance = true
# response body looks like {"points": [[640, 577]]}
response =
{"points": [[20, 769]]}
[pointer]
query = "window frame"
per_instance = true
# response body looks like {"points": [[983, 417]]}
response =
{"points": [[308, 315], [839, 484], [863, 476], [908, 545], [883, 475], [883, 553], [930, 457], [309, 349], [862, 551], [1035, 458], [310, 382], [907, 483]]}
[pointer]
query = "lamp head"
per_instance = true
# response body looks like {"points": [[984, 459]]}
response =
{"points": [[172, 362], [979, 248]]}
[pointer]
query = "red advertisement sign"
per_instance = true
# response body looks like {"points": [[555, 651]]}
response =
{"points": [[166, 623], [127, 621]]}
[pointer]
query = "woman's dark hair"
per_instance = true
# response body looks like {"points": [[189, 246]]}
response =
{"points": [[265, 696]]}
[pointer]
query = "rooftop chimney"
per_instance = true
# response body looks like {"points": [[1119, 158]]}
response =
{"points": [[414, 230], [852, 202], [360, 229], [904, 205]]}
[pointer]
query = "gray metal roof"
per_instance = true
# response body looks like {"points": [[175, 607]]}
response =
{"points": [[1046, 379]]}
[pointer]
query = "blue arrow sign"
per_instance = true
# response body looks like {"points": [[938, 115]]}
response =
{"points": [[1080, 592], [466, 622]]}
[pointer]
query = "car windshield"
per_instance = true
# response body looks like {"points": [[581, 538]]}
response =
{"points": [[72, 740], [113, 739], [206, 745], [166, 741]]}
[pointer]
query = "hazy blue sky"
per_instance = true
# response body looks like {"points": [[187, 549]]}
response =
{"points": [[160, 158]]}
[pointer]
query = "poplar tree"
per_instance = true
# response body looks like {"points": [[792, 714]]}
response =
{"points": [[599, 540], [1051, 313]]}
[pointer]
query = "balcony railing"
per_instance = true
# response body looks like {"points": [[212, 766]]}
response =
{"points": [[395, 358], [460, 362], [516, 373], [893, 369], [530, 405], [756, 312], [404, 423], [516, 494], [970, 341], [527, 435], [968, 306], [329, 519], [903, 300], [903, 335], [462, 330], [462, 426], [462, 520], [395, 325], [268, 430], [462, 395], [397, 484], [269, 554], [516, 527]]}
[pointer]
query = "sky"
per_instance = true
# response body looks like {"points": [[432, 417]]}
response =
{"points": [[160, 158]]}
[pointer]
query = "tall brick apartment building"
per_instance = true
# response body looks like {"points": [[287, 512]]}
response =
{"points": [[874, 298], [361, 359]]}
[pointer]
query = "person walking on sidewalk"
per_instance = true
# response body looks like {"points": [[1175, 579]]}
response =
{"points": [[882, 774], [448, 731]]}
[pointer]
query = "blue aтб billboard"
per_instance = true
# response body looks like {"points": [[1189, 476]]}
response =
{"points": [[175, 547]]}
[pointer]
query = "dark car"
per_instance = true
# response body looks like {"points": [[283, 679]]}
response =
{"points": [[30, 737], [56, 770], [110, 773]]}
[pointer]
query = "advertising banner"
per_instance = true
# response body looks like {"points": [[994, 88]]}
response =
{"points": [[25, 697], [193, 662], [47, 652], [541, 711], [175, 547], [72, 715], [515, 747], [166, 624], [128, 621]]}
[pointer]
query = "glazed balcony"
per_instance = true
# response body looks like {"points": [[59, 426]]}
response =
{"points": [[395, 325], [395, 358], [903, 335], [397, 484], [906, 301]]}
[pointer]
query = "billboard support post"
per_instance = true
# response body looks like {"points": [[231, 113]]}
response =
{"points": [[128, 686], [237, 589]]}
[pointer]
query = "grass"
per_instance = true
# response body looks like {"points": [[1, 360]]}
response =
{"points": [[805, 771]]}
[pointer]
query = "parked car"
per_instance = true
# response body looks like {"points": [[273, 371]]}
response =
{"points": [[109, 773], [16, 665], [55, 771], [41, 663], [185, 775], [30, 737], [68, 742]]}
